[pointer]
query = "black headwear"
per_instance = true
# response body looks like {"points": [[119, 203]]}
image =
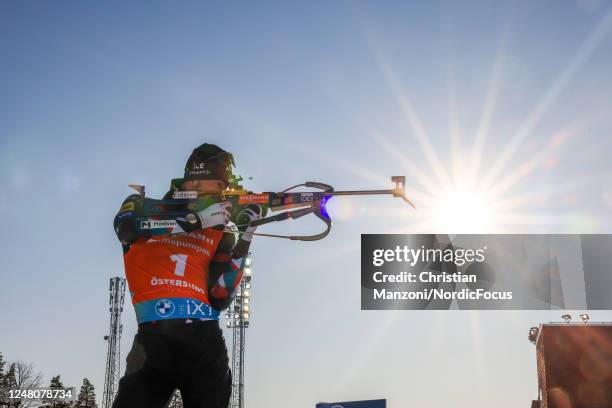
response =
{"points": [[209, 162]]}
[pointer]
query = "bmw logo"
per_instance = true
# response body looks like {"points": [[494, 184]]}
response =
{"points": [[164, 308]]}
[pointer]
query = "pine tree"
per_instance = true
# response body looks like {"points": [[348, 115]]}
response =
{"points": [[176, 401], [10, 383], [56, 383], [87, 396], [2, 387]]}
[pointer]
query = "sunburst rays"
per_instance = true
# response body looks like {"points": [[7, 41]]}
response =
{"points": [[467, 199]]}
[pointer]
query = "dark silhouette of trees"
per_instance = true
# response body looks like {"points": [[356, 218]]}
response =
{"points": [[87, 396]]}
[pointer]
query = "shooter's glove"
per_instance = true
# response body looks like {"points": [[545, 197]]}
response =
{"points": [[245, 218], [215, 216]]}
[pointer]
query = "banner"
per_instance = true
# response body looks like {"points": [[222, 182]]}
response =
{"points": [[379, 403], [486, 272]]}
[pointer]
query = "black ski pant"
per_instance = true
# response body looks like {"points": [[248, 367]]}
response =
{"points": [[172, 354]]}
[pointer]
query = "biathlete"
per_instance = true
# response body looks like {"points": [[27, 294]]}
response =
{"points": [[179, 282]]}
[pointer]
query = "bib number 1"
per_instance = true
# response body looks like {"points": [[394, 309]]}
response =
{"points": [[181, 262]]}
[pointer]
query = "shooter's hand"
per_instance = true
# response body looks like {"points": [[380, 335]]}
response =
{"points": [[252, 212], [216, 215]]}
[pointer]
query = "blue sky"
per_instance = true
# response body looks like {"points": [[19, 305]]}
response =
{"points": [[96, 96]]}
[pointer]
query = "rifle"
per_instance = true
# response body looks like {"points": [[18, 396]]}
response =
{"points": [[162, 214]]}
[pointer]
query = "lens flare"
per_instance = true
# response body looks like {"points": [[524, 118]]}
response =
{"points": [[462, 210]]}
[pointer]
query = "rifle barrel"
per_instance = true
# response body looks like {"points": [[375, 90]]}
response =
{"points": [[359, 192]]}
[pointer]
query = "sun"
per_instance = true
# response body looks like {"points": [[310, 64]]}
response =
{"points": [[462, 209]]}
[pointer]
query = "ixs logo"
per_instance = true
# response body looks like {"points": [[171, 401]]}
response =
{"points": [[195, 308], [154, 224]]}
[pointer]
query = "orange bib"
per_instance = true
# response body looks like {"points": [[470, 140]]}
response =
{"points": [[167, 275]]}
